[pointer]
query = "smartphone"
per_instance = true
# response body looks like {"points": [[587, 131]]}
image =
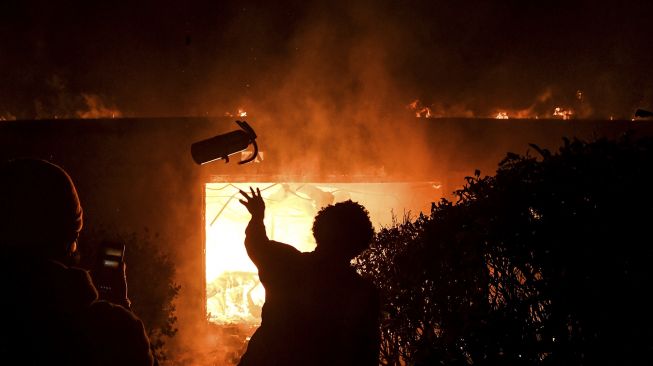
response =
{"points": [[112, 255], [108, 275]]}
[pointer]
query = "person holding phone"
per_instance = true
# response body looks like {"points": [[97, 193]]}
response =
{"points": [[51, 311]]}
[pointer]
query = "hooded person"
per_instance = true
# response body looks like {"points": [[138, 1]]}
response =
{"points": [[51, 311]]}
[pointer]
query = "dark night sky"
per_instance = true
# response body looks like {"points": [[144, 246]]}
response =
{"points": [[165, 58]]}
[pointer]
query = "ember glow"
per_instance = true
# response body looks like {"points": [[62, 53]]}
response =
{"points": [[239, 114], [563, 113], [420, 110], [233, 291], [502, 115]]}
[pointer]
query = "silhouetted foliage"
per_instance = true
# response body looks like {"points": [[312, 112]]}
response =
{"points": [[150, 279], [545, 263]]}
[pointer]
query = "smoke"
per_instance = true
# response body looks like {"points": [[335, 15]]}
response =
{"points": [[95, 107], [57, 101], [7, 117], [329, 99], [202, 57]]}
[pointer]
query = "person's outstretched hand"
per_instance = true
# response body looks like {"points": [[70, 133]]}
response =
{"points": [[254, 203]]}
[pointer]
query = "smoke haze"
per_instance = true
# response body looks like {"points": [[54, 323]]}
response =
{"points": [[206, 58]]}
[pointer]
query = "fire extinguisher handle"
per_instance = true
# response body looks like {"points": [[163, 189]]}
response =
{"points": [[247, 128], [252, 137], [253, 156]]}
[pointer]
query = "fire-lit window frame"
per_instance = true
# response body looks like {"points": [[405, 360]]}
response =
{"points": [[238, 292]]}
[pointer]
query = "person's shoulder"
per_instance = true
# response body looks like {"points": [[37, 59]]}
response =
{"points": [[111, 327], [280, 251], [279, 262], [284, 247], [112, 316], [107, 320]]}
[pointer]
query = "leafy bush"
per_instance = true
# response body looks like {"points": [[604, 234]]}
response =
{"points": [[544, 263]]}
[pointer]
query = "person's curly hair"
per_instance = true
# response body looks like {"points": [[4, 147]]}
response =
{"points": [[344, 228]]}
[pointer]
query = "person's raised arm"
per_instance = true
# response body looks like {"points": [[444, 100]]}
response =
{"points": [[256, 240]]}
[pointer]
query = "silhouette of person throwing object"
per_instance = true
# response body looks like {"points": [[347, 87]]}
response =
{"points": [[318, 310]]}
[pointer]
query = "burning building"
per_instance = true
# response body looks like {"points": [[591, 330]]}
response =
{"points": [[137, 173]]}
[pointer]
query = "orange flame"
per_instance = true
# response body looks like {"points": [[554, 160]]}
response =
{"points": [[502, 115], [239, 114], [563, 113], [420, 110]]}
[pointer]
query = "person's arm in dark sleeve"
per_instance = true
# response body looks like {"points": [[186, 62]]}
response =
{"points": [[256, 239], [265, 253]]}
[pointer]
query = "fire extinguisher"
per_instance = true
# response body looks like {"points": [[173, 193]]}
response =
{"points": [[222, 146]]}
